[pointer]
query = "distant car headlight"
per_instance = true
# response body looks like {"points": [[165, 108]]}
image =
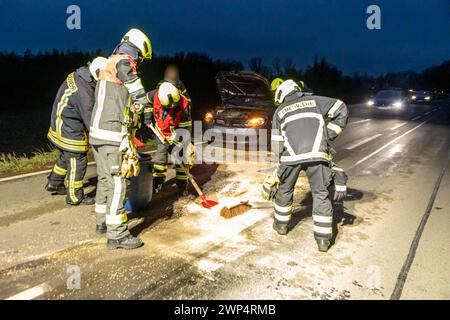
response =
{"points": [[398, 104], [208, 118], [428, 98], [255, 122], [414, 97], [370, 103]]}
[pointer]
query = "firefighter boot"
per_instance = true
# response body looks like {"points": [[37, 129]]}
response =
{"points": [[129, 242], [282, 229], [100, 228], [61, 190], [323, 244]]}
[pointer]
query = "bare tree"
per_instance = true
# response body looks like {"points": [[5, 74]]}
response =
{"points": [[255, 64]]}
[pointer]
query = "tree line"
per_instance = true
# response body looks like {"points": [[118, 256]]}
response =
{"points": [[30, 80]]}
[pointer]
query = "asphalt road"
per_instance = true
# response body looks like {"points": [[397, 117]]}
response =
{"points": [[394, 161]]}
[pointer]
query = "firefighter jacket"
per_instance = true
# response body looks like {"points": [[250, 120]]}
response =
{"points": [[302, 126], [71, 113], [118, 86], [148, 110], [170, 119]]}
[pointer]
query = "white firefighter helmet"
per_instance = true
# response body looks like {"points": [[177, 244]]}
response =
{"points": [[140, 40], [97, 65], [284, 90], [168, 94]]}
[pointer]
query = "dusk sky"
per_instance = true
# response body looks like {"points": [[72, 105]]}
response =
{"points": [[415, 34]]}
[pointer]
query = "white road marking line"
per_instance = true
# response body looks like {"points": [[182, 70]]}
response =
{"points": [[416, 118], [31, 293], [427, 113], [360, 142], [32, 174], [398, 126], [360, 121], [387, 145]]}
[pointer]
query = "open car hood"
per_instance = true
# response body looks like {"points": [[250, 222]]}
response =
{"points": [[242, 85]]}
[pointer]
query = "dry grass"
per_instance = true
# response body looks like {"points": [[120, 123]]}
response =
{"points": [[12, 164]]}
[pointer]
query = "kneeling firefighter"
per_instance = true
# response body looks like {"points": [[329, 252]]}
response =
{"points": [[171, 112], [300, 138], [120, 97], [69, 124]]}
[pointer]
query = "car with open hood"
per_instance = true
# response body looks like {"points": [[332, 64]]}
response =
{"points": [[247, 108]]}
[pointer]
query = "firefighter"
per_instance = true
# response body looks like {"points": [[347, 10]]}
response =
{"points": [[171, 111], [300, 139], [172, 75], [70, 118], [119, 92]]}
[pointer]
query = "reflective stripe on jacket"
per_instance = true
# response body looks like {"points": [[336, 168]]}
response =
{"points": [[72, 111], [302, 126]]}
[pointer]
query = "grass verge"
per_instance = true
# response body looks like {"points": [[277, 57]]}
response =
{"points": [[12, 164]]}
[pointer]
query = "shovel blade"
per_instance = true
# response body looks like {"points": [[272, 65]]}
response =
{"points": [[208, 204]]}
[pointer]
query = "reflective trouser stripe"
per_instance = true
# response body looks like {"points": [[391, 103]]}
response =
{"points": [[159, 171], [323, 226], [327, 231], [323, 219], [180, 174], [71, 180], [283, 209], [59, 171], [114, 218], [283, 213], [100, 208], [284, 218]]}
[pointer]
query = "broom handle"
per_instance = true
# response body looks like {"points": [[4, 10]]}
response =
{"points": [[191, 178]]}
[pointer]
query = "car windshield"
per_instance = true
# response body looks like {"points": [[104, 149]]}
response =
{"points": [[388, 94], [250, 102], [423, 93]]}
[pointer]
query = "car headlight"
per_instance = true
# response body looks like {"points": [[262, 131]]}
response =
{"points": [[427, 98], [398, 104], [208, 118], [255, 122], [370, 103], [414, 97]]}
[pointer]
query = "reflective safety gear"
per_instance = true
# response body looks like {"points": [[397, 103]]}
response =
{"points": [[148, 109], [69, 171], [284, 89], [340, 183], [160, 166], [118, 84], [319, 176], [140, 40], [112, 190], [71, 112], [168, 95], [96, 66], [300, 132], [269, 187], [170, 119], [276, 83], [129, 242]]}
